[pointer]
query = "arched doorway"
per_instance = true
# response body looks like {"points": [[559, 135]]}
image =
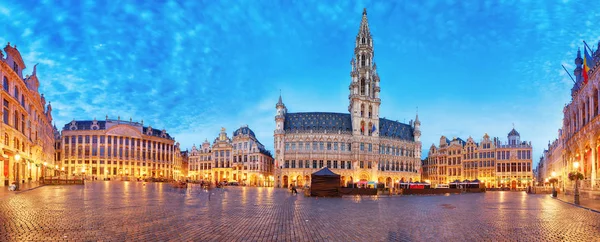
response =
{"points": [[285, 182], [388, 182], [307, 180], [342, 181], [350, 182], [299, 181], [513, 185], [364, 179]]}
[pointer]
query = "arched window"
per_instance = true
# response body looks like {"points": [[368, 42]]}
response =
{"points": [[362, 60], [370, 111], [362, 86], [363, 40], [362, 110], [362, 127]]}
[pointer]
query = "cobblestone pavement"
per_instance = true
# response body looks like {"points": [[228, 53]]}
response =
{"points": [[117, 211]]}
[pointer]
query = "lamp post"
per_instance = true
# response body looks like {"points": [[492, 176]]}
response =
{"points": [[576, 166], [554, 179], [17, 183]]}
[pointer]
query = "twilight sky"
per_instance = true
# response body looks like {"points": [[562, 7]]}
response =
{"points": [[192, 67]]}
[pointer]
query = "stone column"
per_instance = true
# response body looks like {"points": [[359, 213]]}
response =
{"points": [[594, 161]]}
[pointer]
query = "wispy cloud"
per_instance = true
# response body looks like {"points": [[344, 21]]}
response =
{"points": [[472, 67]]}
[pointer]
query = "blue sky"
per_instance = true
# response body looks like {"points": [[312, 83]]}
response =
{"points": [[192, 67]]}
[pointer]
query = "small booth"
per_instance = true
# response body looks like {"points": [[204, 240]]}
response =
{"points": [[325, 183]]}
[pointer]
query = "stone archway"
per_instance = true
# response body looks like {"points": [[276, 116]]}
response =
{"points": [[299, 181], [285, 182]]}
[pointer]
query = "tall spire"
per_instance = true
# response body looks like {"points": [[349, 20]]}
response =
{"points": [[364, 24], [280, 102]]}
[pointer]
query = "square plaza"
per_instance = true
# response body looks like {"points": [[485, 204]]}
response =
{"points": [[137, 211]]}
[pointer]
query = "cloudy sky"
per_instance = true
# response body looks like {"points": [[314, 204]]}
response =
{"points": [[192, 67]]}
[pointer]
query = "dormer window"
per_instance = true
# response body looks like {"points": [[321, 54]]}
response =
{"points": [[16, 67]]}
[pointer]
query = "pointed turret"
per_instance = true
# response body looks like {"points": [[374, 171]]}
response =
{"points": [[280, 102], [417, 129], [364, 24]]}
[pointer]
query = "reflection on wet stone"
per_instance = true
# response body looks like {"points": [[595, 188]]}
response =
{"points": [[131, 211]]}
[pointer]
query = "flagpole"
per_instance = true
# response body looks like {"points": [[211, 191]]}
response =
{"points": [[586, 45], [569, 74]]}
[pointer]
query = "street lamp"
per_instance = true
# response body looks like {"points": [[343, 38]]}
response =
{"points": [[576, 166], [553, 180], [17, 158]]}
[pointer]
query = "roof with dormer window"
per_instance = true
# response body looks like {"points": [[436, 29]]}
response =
{"points": [[513, 132], [244, 131], [317, 121], [334, 122], [87, 125]]}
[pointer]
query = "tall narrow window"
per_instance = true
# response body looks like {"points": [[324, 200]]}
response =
{"points": [[5, 84], [362, 87], [363, 60], [16, 123], [6, 112], [362, 110], [370, 111]]}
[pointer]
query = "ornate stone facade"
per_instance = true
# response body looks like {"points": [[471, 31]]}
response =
{"points": [[118, 150], [242, 159], [360, 146], [26, 128], [490, 161], [579, 138]]}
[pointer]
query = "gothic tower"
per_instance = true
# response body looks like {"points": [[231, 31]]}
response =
{"points": [[279, 138], [364, 88]]}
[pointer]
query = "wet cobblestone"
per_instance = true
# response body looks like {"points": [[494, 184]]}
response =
{"points": [[118, 211]]}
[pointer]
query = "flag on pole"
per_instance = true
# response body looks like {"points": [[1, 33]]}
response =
{"points": [[588, 62], [373, 129]]}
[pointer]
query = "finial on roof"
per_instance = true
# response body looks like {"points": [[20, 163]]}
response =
{"points": [[364, 11]]}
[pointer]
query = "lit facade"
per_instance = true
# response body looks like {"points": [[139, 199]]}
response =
{"points": [[26, 127], [118, 150], [242, 159], [494, 163], [579, 138], [359, 145]]}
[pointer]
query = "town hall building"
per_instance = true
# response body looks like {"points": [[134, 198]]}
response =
{"points": [[363, 148]]}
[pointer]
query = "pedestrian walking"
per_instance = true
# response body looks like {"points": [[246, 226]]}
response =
{"points": [[293, 189]]}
